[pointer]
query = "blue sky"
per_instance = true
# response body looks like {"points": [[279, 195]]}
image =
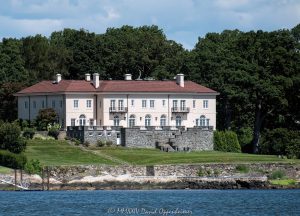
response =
{"points": [[182, 20]]}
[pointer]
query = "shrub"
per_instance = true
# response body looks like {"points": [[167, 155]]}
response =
{"points": [[44, 118], [242, 168], [281, 141], [76, 141], [293, 148], [245, 136], [33, 167], [12, 160], [201, 172], [10, 138], [109, 143], [53, 130], [226, 141], [28, 133], [278, 174], [100, 143], [86, 144], [53, 133]]}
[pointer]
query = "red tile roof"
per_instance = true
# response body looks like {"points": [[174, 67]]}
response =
{"points": [[115, 86]]}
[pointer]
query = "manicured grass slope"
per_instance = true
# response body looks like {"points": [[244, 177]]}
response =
{"points": [[5, 170], [154, 156], [52, 152]]}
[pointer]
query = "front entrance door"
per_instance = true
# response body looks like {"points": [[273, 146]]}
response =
{"points": [[118, 139]]}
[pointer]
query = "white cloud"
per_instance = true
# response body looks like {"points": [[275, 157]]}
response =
{"points": [[181, 20]]}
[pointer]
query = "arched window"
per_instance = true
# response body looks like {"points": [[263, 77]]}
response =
{"points": [[82, 120], [116, 121], [202, 120], [147, 120], [163, 120], [178, 121], [131, 120]]}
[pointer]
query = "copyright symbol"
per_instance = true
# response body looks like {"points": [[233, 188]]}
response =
{"points": [[111, 210]]}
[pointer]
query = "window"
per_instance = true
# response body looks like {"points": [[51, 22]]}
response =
{"points": [[152, 103], [132, 102], [34, 104], [112, 104], [163, 120], [148, 120], [91, 122], [72, 122], [182, 104], [164, 102], [202, 121], [100, 134], [121, 105], [26, 104], [75, 103], [205, 104], [144, 103], [175, 104], [194, 103], [131, 120], [43, 104], [61, 103], [82, 120], [116, 121], [178, 121], [89, 103], [53, 104]]}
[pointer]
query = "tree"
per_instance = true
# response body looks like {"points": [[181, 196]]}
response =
{"points": [[8, 102], [45, 117], [10, 138]]}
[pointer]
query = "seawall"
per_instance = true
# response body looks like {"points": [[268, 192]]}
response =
{"points": [[196, 176]]}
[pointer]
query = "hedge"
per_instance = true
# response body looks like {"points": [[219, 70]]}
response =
{"points": [[226, 141], [12, 160]]}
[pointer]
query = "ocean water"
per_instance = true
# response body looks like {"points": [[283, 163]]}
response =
{"points": [[151, 202]]}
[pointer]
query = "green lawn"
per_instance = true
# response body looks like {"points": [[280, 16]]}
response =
{"points": [[52, 152], [5, 170], [155, 156]]}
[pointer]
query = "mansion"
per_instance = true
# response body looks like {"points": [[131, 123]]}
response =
{"points": [[127, 103]]}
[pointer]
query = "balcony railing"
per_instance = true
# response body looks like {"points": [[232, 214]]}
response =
{"points": [[180, 109], [117, 109]]}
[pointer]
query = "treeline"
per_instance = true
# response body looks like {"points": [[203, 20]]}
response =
{"points": [[256, 73]]}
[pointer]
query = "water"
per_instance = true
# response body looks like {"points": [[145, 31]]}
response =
{"points": [[156, 202]]}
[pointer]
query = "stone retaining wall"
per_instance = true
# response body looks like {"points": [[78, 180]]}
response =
{"points": [[210, 170]]}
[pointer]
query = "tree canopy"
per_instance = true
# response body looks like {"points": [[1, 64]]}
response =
{"points": [[256, 72]]}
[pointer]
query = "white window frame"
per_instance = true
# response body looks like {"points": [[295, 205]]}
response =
{"points": [[147, 120], [89, 103], [163, 120], [75, 103], [205, 104], [144, 103], [152, 103], [73, 122]]}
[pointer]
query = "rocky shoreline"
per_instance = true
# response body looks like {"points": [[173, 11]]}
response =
{"points": [[213, 176]]}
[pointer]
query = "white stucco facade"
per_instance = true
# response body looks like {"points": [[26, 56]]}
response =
{"points": [[125, 109]]}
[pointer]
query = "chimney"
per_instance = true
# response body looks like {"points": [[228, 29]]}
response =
{"points": [[88, 77], [96, 81], [128, 77], [58, 78], [180, 80]]}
